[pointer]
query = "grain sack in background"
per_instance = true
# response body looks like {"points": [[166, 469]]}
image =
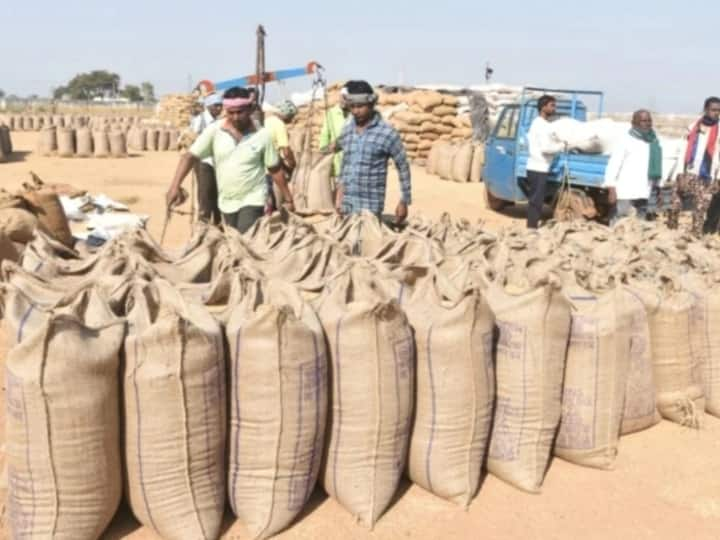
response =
{"points": [[118, 148], [446, 156], [640, 408], [63, 447], [174, 402], [371, 350], [47, 141], [462, 163], [5, 141], [45, 205], [163, 140], [66, 142], [18, 224], [705, 318], [84, 141], [478, 161], [174, 142], [278, 406], [595, 378], [101, 143], [677, 368], [432, 161], [136, 139], [152, 137], [533, 330], [455, 389]]}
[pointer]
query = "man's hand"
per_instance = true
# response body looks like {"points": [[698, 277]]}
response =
{"points": [[401, 212], [612, 195], [175, 196]]}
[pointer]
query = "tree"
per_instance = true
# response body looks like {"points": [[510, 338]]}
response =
{"points": [[2, 93], [148, 91], [132, 92], [89, 85]]}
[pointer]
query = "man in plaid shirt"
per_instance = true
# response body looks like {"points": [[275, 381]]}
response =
{"points": [[368, 142]]}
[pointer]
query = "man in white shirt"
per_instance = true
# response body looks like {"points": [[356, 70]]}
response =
{"points": [[207, 191], [543, 146], [702, 164], [634, 170]]}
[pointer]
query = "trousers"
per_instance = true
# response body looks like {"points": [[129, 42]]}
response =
{"points": [[245, 218], [537, 187], [699, 193]]}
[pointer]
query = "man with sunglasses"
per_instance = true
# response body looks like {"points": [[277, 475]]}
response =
{"points": [[368, 142], [242, 154], [701, 166]]}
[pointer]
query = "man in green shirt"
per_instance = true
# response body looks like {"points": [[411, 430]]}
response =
{"points": [[335, 119], [242, 154]]}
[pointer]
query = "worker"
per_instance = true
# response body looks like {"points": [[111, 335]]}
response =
{"points": [[634, 170], [277, 125], [698, 183], [335, 119], [543, 146], [242, 154], [368, 142], [207, 193]]}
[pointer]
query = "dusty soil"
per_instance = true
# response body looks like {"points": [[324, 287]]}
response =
{"points": [[665, 484]]}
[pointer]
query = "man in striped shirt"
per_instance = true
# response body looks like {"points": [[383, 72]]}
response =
{"points": [[368, 142]]}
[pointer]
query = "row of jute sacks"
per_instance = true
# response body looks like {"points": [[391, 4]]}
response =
{"points": [[36, 122], [6, 147], [458, 162], [354, 353], [101, 142]]}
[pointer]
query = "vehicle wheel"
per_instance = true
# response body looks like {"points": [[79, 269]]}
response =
{"points": [[492, 202]]}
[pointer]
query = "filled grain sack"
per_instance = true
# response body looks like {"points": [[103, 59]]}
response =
{"points": [[278, 406], [118, 148], [152, 137], [174, 140], [455, 388], [45, 205], [677, 368], [640, 407], [175, 414], [533, 330], [705, 318], [63, 445], [478, 161], [84, 141], [445, 159], [47, 141], [136, 139], [596, 371], [66, 142], [18, 224], [462, 163], [101, 143], [312, 185], [5, 141], [371, 400]]}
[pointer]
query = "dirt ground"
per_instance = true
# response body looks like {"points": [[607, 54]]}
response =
{"points": [[665, 484]]}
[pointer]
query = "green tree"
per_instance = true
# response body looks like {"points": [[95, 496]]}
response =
{"points": [[132, 92], [148, 91], [2, 93], [91, 84]]}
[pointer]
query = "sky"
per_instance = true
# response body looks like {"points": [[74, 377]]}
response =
{"points": [[661, 55]]}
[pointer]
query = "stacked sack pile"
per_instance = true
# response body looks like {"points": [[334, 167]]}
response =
{"points": [[36, 122], [176, 110], [440, 350]]}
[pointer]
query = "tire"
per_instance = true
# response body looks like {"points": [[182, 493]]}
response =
{"points": [[492, 202]]}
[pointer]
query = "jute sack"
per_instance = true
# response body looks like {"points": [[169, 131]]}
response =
{"points": [[278, 406], [175, 414], [533, 330], [705, 322], [17, 224], [63, 447], [677, 369], [8, 251], [66, 142], [5, 141], [45, 204], [596, 370], [47, 141], [640, 408], [478, 161], [462, 163], [118, 148], [101, 143], [446, 155], [163, 140], [455, 388], [136, 139], [152, 137], [312, 184], [83, 138], [371, 400]]}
